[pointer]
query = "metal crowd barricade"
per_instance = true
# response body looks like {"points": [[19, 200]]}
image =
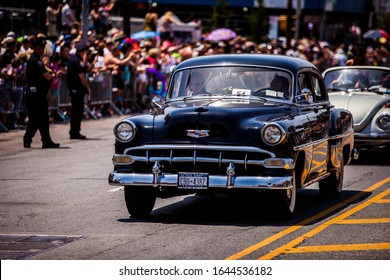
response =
{"points": [[101, 88], [59, 97], [11, 98]]}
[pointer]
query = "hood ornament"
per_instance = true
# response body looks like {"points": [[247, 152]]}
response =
{"points": [[197, 133]]}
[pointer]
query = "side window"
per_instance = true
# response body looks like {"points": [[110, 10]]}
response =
{"points": [[178, 84], [304, 82], [318, 88]]}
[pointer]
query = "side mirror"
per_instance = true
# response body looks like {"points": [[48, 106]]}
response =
{"points": [[305, 96], [157, 103]]}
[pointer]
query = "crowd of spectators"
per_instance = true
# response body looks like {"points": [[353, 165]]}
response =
{"points": [[140, 68]]}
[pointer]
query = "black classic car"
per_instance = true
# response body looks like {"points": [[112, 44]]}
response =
{"points": [[235, 122]]}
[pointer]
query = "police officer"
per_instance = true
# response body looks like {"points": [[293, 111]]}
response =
{"points": [[38, 84], [78, 88]]}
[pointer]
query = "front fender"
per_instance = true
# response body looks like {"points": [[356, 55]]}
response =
{"points": [[341, 122]]}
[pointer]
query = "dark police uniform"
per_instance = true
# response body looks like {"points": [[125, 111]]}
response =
{"points": [[36, 100], [77, 92]]}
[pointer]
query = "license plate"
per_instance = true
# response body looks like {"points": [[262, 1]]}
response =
{"points": [[193, 180]]}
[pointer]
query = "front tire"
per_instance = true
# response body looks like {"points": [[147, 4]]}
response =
{"points": [[139, 201], [333, 185], [285, 200]]}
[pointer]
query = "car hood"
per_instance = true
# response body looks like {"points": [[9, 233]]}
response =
{"points": [[362, 105], [216, 121]]}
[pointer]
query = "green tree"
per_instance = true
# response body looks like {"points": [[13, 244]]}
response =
{"points": [[258, 22]]}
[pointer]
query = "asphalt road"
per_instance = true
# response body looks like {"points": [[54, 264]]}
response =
{"points": [[57, 204]]}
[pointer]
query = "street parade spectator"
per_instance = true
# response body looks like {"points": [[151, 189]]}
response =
{"points": [[151, 19], [95, 16], [68, 18], [104, 15], [164, 24], [52, 14]]}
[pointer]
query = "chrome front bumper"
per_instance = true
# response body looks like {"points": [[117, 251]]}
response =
{"points": [[215, 181], [167, 154]]}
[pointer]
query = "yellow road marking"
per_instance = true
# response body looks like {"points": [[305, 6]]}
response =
{"points": [[299, 240], [341, 247], [293, 228], [263, 243], [364, 221], [385, 200]]}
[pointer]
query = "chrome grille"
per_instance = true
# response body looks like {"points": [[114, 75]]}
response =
{"points": [[210, 158]]}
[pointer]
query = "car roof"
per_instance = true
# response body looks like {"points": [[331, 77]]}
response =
{"points": [[269, 60]]}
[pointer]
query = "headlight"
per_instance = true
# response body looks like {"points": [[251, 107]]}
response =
{"points": [[124, 131], [384, 121], [273, 134]]}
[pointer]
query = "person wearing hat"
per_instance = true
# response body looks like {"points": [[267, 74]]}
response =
{"points": [[10, 45], [38, 84], [25, 47], [78, 88], [11, 34]]}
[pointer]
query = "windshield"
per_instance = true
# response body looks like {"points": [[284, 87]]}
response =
{"points": [[357, 78], [232, 81]]}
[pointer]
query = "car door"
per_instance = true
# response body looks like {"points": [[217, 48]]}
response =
{"points": [[316, 110]]}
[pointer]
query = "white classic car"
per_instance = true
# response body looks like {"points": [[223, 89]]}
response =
{"points": [[365, 92]]}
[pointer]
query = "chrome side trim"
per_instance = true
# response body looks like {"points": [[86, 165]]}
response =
{"points": [[215, 181], [338, 136], [310, 144], [315, 180]]}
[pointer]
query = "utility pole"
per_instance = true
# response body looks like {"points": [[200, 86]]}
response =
{"points": [[126, 17], [84, 17], [297, 20], [288, 31]]}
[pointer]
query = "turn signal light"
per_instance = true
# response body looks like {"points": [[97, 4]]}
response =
{"points": [[122, 159]]}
